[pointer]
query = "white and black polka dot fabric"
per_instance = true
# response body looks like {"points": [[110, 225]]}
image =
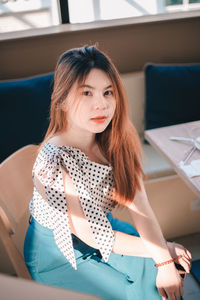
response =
{"points": [[94, 185]]}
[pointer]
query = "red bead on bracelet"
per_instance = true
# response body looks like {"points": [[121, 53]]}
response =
{"points": [[168, 261]]}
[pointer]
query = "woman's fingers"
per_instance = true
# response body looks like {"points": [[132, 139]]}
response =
{"points": [[172, 296], [182, 282], [181, 250], [162, 293], [177, 294], [186, 252], [173, 293], [188, 262], [181, 290], [185, 263], [189, 255], [169, 283]]}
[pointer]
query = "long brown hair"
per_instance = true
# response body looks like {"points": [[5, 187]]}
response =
{"points": [[119, 142]]}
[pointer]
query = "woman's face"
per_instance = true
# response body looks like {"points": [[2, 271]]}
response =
{"points": [[87, 102]]}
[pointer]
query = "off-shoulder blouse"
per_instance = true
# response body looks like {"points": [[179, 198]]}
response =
{"points": [[94, 185]]}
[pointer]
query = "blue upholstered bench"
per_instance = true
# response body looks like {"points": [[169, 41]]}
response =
{"points": [[172, 96], [24, 112]]}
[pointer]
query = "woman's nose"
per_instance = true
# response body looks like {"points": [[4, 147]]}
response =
{"points": [[100, 102]]}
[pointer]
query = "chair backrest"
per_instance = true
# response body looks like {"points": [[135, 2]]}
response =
{"points": [[16, 188]]}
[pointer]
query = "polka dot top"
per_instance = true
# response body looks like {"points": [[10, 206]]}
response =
{"points": [[94, 185]]}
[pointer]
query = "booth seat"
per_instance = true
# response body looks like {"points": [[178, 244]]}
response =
{"points": [[154, 164], [24, 112], [160, 95]]}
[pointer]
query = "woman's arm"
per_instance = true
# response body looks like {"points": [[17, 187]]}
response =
{"points": [[148, 227], [127, 244], [168, 280]]}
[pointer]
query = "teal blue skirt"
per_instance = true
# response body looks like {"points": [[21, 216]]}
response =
{"points": [[123, 277]]}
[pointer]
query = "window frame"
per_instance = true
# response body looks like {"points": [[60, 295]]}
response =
{"points": [[64, 11]]}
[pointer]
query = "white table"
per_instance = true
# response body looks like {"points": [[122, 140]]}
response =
{"points": [[175, 151]]}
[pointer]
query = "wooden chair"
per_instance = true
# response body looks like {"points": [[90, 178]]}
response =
{"points": [[16, 189]]}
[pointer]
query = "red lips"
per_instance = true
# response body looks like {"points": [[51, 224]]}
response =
{"points": [[99, 119]]}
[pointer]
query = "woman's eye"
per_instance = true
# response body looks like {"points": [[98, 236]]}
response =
{"points": [[108, 93], [87, 93]]}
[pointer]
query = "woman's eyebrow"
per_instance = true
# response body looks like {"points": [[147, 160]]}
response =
{"points": [[87, 85], [108, 87], [91, 87]]}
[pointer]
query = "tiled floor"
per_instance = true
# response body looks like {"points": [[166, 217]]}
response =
{"points": [[191, 287]]}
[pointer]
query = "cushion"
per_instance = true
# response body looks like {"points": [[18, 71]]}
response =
{"points": [[172, 94], [24, 112], [134, 86], [154, 165]]}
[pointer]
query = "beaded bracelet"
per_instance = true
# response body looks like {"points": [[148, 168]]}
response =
{"points": [[168, 261]]}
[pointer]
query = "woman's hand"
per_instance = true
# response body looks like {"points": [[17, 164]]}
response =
{"points": [[169, 283], [176, 250]]}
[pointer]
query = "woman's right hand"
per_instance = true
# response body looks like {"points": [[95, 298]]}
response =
{"points": [[169, 282], [177, 250]]}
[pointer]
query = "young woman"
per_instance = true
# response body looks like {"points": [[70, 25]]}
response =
{"points": [[89, 162]]}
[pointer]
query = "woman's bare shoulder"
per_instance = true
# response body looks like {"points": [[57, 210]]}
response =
{"points": [[56, 140]]}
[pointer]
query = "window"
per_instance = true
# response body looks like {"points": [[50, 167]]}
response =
{"points": [[92, 10], [182, 5], [26, 14]]}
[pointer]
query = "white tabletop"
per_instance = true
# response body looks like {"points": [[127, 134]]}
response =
{"points": [[175, 151]]}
